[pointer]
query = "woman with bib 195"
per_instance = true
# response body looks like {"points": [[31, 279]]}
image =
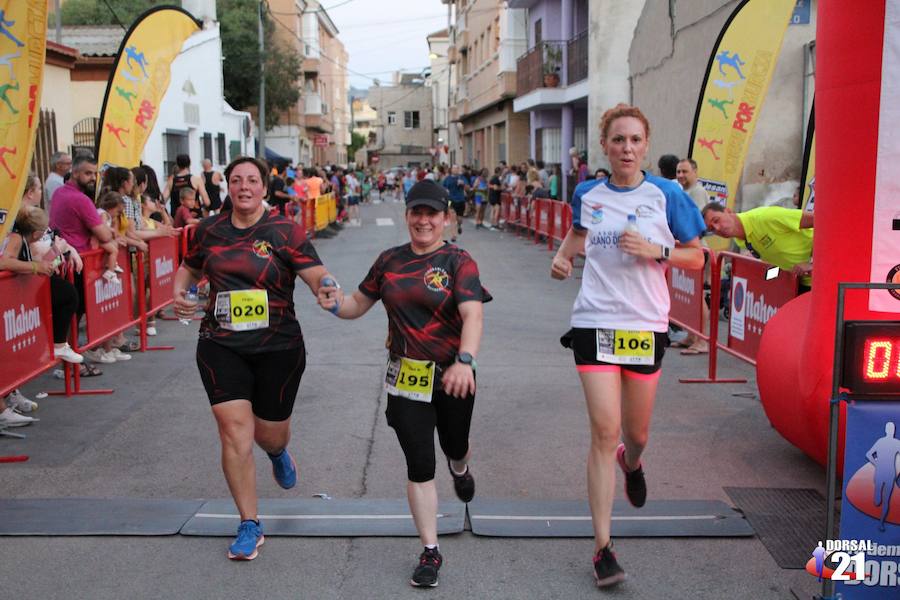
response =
{"points": [[433, 297], [250, 353], [627, 227]]}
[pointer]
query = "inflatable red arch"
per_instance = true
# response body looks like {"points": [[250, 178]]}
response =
{"points": [[794, 367]]}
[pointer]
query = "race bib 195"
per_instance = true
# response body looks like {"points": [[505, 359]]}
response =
{"points": [[409, 378]]}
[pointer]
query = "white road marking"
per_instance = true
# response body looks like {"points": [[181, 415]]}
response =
{"points": [[311, 517], [587, 518], [384, 222]]}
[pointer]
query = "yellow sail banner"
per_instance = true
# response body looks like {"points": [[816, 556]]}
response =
{"points": [[737, 78], [23, 40], [138, 82]]}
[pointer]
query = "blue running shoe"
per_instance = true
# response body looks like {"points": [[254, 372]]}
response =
{"points": [[249, 538], [284, 469]]}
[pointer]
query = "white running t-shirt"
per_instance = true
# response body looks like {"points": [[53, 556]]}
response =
{"points": [[620, 291]]}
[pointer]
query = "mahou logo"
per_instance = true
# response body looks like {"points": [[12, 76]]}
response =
{"points": [[17, 323], [164, 266], [681, 282], [757, 309], [107, 290]]}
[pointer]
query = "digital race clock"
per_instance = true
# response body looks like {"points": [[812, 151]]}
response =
{"points": [[871, 358]]}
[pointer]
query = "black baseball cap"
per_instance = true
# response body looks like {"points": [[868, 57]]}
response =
{"points": [[428, 193]]}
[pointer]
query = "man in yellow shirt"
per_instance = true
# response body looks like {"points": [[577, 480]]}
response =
{"points": [[780, 236]]}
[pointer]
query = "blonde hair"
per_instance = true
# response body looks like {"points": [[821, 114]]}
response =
{"points": [[533, 175], [31, 219], [622, 110]]}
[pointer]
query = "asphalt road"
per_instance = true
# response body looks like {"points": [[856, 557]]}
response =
{"points": [[154, 438]]}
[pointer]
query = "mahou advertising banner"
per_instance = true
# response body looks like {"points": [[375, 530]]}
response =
{"points": [[23, 40], [138, 82], [26, 344]]}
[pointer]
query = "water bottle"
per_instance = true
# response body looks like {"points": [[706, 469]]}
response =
{"points": [[630, 227], [329, 282], [190, 296]]}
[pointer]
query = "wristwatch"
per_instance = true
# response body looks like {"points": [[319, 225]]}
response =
{"points": [[466, 359], [666, 252]]}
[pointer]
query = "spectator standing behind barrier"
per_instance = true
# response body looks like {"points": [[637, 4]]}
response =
{"points": [[668, 166], [621, 313], [182, 178], [687, 176], [60, 163], [777, 235], [212, 183], [187, 201], [250, 353], [433, 297], [553, 182]]}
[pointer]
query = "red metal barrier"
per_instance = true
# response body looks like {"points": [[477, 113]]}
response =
{"points": [[108, 311], [26, 348], [754, 299], [163, 261], [187, 236]]}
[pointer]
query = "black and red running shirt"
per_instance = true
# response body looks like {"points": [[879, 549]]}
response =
{"points": [[421, 295], [268, 255]]}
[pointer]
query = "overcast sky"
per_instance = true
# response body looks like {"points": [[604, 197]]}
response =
{"points": [[385, 35]]}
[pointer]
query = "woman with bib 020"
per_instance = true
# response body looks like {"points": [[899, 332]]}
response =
{"points": [[250, 353], [627, 226], [433, 297]]}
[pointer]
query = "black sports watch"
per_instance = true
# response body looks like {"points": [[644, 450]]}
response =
{"points": [[466, 359]]}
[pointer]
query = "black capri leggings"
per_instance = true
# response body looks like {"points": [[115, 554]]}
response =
{"points": [[63, 303], [414, 423]]}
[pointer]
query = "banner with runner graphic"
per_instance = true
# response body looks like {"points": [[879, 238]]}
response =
{"points": [[138, 81], [23, 40], [734, 87]]}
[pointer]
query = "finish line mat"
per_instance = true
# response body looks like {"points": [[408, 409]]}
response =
{"points": [[94, 516], [327, 518], [789, 521], [572, 518]]}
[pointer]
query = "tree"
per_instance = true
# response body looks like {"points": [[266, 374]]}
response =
{"points": [[240, 46], [357, 141], [240, 43]]}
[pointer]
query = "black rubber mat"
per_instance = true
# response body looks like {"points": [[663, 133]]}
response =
{"points": [[572, 518], [789, 521], [94, 516], [327, 518]]}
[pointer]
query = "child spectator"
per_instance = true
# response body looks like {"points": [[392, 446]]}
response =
{"points": [[111, 212], [185, 213]]}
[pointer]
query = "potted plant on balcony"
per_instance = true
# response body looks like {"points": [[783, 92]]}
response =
{"points": [[552, 65]]}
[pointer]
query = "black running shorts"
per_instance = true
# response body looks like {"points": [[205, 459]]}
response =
{"points": [[269, 380], [583, 343], [459, 207]]}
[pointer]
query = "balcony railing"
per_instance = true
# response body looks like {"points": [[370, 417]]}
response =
{"points": [[577, 58], [542, 66]]}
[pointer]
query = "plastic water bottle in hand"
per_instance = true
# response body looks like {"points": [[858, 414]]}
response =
{"points": [[329, 282], [190, 296], [630, 227]]}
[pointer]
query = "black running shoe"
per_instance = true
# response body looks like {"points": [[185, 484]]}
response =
{"points": [[464, 484], [635, 485], [607, 571], [426, 573], [459, 228]]}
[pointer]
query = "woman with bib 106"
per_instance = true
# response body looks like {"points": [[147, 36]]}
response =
{"points": [[433, 297], [627, 227], [250, 353]]}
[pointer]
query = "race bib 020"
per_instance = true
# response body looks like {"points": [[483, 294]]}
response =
{"points": [[624, 347], [243, 310], [409, 378]]}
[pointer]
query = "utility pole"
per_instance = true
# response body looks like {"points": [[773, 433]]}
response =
{"points": [[261, 126]]}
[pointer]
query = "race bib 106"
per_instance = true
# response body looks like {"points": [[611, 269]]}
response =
{"points": [[623, 347]]}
